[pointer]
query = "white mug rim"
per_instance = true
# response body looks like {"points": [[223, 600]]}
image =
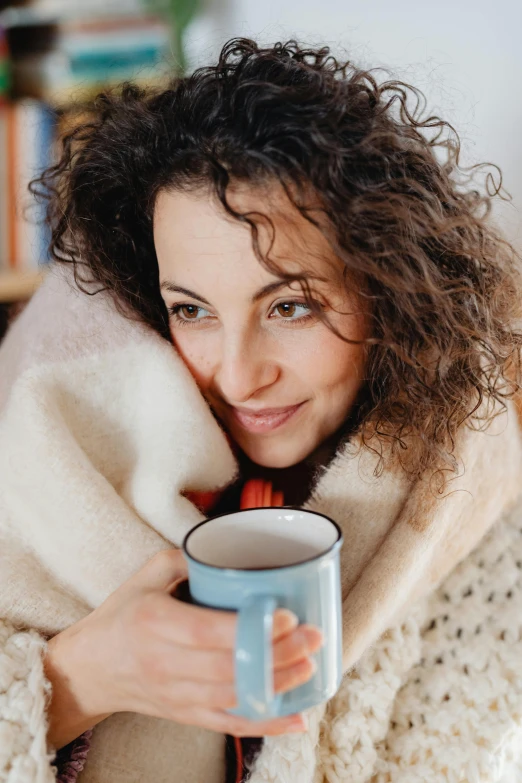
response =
{"points": [[335, 545]]}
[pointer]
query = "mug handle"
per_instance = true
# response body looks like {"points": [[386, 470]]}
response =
{"points": [[254, 659]]}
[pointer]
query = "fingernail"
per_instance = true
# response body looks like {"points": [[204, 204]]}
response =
{"points": [[308, 639], [289, 616], [313, 633]]}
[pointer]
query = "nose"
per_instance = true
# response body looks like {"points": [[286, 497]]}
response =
{"points": [[247, 367]]}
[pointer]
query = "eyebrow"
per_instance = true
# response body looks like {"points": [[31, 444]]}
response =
{"points": [[167, 285]]}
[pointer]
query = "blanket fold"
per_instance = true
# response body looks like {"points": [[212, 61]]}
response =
{"points": [[102, 432]]}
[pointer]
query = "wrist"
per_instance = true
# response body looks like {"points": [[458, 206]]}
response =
{"points": [[75, 705]]}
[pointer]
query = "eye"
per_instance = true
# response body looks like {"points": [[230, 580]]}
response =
{"points": [[291, 311], [189, 312]]}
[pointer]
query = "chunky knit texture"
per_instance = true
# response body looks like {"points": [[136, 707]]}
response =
{"points": [[24, 757], [437, 698]]}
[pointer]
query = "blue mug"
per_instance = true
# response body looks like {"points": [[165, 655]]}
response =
{"points": [[253, 562]]}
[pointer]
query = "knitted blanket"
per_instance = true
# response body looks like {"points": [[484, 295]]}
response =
{"points": [[102, 434]]}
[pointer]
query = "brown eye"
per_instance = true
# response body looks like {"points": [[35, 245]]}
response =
{"points": [[186, 313], [189, 312], [286, 309], [293, 312]]}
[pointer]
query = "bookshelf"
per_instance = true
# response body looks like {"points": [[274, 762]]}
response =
{"points": [[18, 286], [55, 56]]}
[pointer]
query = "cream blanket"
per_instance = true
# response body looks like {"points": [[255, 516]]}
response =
{"points": [[101, 431]]}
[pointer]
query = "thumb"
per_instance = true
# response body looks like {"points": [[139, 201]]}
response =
{"points": [[162, 572]]}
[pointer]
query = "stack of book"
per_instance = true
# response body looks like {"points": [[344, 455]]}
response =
{"points": [[60, 58], [61, 54], [27, 140]]}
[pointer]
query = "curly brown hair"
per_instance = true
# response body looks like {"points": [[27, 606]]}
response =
{"points": [[402, 216]]}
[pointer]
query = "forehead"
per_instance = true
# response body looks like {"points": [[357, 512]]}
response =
{"points": [[192, 227]]}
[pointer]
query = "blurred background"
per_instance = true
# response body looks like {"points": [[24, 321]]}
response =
{"points": [[55, 55]]}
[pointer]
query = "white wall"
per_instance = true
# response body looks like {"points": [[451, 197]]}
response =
{"points": [[466, 56]]}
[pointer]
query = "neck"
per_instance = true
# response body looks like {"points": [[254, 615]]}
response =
{"points": [[296, 481]]}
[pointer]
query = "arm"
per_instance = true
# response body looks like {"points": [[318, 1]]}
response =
{"points": [[70, 712]]}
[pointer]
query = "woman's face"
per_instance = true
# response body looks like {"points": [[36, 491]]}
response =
{"points": [[277, 377]]}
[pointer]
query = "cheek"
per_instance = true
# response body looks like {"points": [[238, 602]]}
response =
{"points": [[332, 367], [196, 354]]}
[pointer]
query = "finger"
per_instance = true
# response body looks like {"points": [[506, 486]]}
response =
{"points": [[160, 572], [211, 667], [221, 695], [202, 665], [192, 626], [224, 723], [198, 627], [288, 679], [298, 645], [219, 665], [285, 622]]}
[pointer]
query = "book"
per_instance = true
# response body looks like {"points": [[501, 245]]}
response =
{"points": [[62, 53], [27, 147], [75, 59]]}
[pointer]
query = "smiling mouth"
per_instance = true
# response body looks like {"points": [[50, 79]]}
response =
{"points": [[265, 420]]}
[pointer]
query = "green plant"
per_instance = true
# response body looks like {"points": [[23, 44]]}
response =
{"points": [[179, 14]]}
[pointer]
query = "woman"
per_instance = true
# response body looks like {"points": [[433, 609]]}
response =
{"points": [[306, 247]]}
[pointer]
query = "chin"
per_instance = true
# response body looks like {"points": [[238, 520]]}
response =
{"points": [[273, 455]]}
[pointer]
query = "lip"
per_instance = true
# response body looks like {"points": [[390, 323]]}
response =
{"points": [[266, 420]]}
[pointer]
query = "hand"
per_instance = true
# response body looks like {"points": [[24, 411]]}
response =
{"points": [[143, 651]]}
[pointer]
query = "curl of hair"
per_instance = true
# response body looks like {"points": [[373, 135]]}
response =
{"points": [[403, 217]]}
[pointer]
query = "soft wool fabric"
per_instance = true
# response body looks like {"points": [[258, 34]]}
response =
{"points": [[102, 432]]}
